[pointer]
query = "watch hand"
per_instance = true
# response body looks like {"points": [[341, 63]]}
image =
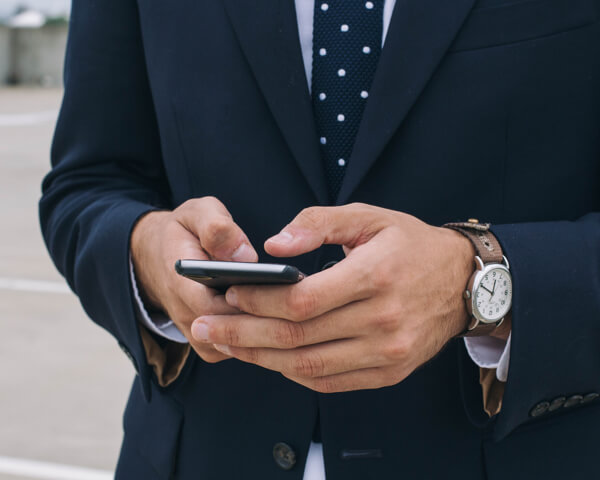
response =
{"points": [[494, 288], [489, 291]]}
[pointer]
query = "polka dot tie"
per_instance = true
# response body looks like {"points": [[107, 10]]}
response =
{"points": [[346, 47]]}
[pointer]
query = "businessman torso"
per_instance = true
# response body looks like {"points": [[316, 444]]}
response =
{"points": [[487, 109]]}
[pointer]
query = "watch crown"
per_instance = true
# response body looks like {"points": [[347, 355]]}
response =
{"points": [[467, 294]]}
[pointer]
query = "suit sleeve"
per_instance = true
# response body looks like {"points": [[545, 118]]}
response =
{"points": [[555, 340], [107, 167]]}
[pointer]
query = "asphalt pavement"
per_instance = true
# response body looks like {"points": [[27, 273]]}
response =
{"points": [[63, 380]]}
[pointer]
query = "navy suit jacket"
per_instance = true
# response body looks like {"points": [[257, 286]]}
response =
{"points": [[479, 108]]}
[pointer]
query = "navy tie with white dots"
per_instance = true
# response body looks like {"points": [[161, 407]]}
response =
{"points": [[347, 37]]}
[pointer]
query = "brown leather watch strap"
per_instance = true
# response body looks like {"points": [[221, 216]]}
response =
{"points": [[481, 330], [489, 250], [486, 245]]}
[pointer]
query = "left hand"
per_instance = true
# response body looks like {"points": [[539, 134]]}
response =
{"points": [[367, 322]]}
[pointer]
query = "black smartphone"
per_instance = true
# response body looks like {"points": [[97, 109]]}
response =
{"points": [[221, 275]]}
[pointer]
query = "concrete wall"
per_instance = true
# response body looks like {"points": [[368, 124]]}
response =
{"points": [[38, 55], [4, 54], [33, 56]]}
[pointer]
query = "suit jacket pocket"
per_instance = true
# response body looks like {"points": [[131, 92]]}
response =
{"points": [[493, 25]]}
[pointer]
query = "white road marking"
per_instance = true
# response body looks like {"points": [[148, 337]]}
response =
{"points": [[23, 119], [25, 285], [50, 471]]}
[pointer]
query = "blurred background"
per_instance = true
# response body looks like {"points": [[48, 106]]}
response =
{"points": [[63, 381]]}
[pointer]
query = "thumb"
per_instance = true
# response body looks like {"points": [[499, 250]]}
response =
{"points": [[220, 237], [348, 225]]}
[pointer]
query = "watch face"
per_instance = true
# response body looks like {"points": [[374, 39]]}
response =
{"points": [[492, 296]]}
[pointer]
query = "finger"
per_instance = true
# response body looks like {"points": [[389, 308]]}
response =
{"points": [[348, 225], [202, 300], [347, 281], [183, 318], [196, 296], [208, 353], [355, 320], [219, 235], [247, 331], [314, 361], [365, 379]]}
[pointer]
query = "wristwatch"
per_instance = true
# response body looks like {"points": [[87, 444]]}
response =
{"points": [[489, 292]]}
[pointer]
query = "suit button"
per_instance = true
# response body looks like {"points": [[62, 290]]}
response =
{"points": [[590, 397], [573, 401], [129, 356], [328, 265], [557, 403], [540, 409], [284, 456]]}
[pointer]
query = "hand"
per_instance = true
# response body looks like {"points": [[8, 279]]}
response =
{"points": [[200, 229], [367, 322]]}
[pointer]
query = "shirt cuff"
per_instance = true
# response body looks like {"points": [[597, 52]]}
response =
{"points": [[490, 352], [158, 322]]}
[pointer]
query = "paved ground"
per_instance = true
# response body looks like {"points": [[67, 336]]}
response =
{"points": [[63, 381]]}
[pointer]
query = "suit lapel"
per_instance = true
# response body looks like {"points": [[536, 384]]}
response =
{"points": [[268, 34], [419, 34]]}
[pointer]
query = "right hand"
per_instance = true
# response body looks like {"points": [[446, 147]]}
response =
{"points": [[199, 229]]}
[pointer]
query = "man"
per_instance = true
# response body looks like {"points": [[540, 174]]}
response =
{"points": [[207, 130]]}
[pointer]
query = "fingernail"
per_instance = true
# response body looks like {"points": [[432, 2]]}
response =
{"points": [[282, 238], [200, 331], [231, 297], [243, 254], [223, 349]]}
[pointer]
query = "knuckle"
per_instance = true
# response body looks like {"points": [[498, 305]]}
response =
{"points": [[385, 320], [301, 304], [210, 201], [230, 334], [289, 335], [308, 365], [356, 206], [249, 355], [360, 208], [216, 231], [399, 349], [312, 217], [381, 278], [325, 385], [248, 303], [188, 204]]}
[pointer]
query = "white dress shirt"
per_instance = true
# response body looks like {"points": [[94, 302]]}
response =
{"points": [[486, 352]]}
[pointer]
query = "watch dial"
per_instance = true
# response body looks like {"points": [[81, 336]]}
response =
{"points": [[493, 295]]}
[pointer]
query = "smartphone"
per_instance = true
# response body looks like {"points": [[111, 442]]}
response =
{"points": [[221, 275]]}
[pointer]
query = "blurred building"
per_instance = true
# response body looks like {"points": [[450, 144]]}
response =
{"points": [[32, 49]]}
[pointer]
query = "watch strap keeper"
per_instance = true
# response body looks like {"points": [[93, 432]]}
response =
{"points": [[485, 243]]}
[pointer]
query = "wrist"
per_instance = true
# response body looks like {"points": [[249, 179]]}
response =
{"points": [[142, 249], [462, 255]]}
